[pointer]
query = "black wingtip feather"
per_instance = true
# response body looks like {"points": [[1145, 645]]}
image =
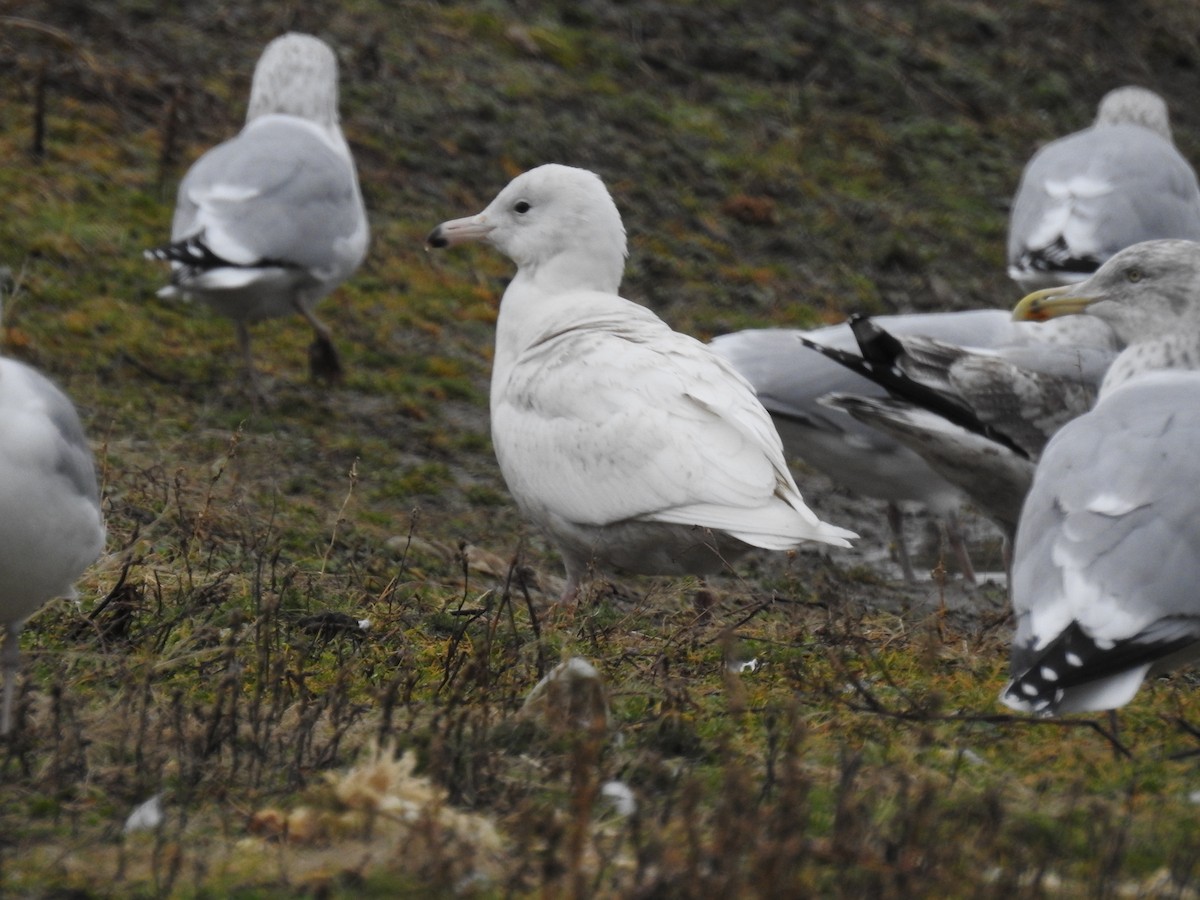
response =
{"points": [[191, 252], [1057, 257], [877, 363], [1074, 659]]}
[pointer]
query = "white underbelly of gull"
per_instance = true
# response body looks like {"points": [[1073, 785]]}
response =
{"points": [[634, 447], [1086, 196], [271, 221], [50, 523], [1106, 560]]}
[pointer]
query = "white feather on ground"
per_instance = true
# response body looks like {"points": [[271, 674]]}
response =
{"points": [[634, 447], [272, 220]]}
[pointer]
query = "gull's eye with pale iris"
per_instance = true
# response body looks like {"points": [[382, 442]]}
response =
{"points": [[1133, 274], [522, 206]]}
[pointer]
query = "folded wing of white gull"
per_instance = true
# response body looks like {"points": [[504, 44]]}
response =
{"points": [[1085, 196], [1105, 564], [272, 220], [51, 527], [635, 447]]}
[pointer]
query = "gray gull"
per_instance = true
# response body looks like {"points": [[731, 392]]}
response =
{"points": [[271, 221], [1106, 560], [978, 417], [51, 527], [1086, 196], [792, 379]]}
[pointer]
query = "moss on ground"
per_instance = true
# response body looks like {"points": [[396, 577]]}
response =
{"points": [[774, 167]]}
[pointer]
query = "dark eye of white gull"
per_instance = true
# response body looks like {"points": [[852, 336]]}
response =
{"points": [[522, 206]]}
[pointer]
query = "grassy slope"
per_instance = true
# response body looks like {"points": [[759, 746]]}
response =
{"points": [[773, 166]]}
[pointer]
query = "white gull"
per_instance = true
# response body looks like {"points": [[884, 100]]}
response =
{"points": [[634, 447]]}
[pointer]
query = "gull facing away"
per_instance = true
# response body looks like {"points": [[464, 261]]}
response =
{"points": [[791, 379], [1106, 560], [51, 527], [272, 220], [634, 447], [1086, 196]]}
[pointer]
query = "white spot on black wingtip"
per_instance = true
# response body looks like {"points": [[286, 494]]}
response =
{"points": [[1029, 690], [1048, 674], [1073, 659]]}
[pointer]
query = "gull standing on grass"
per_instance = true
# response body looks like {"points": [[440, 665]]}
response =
{"points": [[51, 527], [1107, 557], [271, 221], [1086, 196], [634, 447]]}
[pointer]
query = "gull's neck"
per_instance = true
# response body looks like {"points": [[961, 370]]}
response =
{"points": [[1179, 350], [534, 295]]}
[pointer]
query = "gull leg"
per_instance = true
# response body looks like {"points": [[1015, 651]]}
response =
{"points": [[570, 592], [323, 361], [9, 655], [895, 520], [958, 544], [243, 334]]}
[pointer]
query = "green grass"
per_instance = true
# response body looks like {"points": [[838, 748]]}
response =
{"points": [[772, 168]]}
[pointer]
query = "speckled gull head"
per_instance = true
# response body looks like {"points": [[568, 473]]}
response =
{"points": [[297, 75], [1142, 292], [557, 223], [1135, 106], [1148, 294]]}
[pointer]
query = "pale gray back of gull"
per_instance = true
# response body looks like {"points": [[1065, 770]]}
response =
{"points": [[1085, 196], [50, 522], [1105, 565], [634, 447], [271, 221]]}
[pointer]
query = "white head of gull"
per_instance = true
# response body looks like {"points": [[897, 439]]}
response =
{"points": [[1105, 565], [271, 221], [634, 447]]}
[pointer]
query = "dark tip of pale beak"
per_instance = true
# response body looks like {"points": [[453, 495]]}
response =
{"points": [[436, 239]]}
